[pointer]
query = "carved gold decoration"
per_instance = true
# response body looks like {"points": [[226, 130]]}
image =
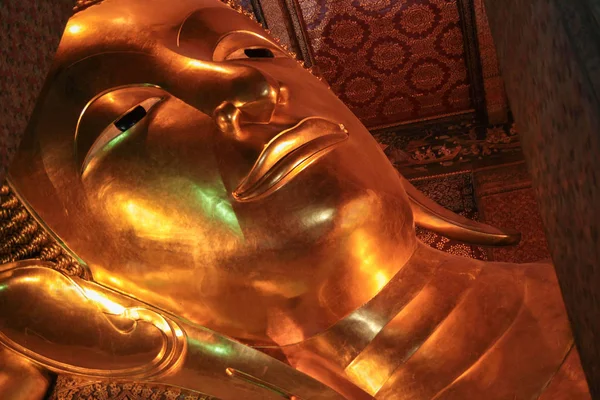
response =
{"points": [[23, 238], [448, 147], [73, 388]]}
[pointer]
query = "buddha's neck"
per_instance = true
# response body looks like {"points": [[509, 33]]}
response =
{"points": [[360, 275], [327, 355]]}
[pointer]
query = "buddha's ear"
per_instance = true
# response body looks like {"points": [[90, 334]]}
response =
{"points": [[430, 215]]}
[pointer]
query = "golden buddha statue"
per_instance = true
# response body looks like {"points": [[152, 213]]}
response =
{"points": [[232, 229]]}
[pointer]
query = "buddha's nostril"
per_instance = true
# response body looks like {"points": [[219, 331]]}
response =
{"points": [[227, 117]]}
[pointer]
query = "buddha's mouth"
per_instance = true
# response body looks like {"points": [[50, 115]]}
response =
{"points": [[289, 153]]}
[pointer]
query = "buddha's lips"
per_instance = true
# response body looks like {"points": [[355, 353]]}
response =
{"points": [[287, 154]]}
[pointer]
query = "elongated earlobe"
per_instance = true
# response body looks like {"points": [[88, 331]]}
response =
{"points": [[430, 215]]}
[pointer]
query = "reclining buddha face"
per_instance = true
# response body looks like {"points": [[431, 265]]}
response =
{"points": [[190, 162]]}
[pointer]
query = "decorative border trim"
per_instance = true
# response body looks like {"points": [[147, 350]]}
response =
{"points": [[418, 125], [439, 176]]}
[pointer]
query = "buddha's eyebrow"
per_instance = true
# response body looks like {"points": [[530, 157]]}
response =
{"points": [[205, 27], [181, 26], [79, 61]]}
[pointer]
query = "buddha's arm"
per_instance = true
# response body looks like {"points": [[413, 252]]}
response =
{"points": [[73, 326]]}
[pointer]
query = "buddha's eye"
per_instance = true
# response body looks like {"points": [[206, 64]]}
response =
{"points": [[260, 52], [119, 129], [244, 45], [131, 118], [254, 53]]}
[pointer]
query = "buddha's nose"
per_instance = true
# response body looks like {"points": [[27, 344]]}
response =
{"points": [[247, 94]]}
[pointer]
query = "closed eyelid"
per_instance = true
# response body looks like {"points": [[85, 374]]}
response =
{"points": [[106, 108], [236, 44], [118, 128]]}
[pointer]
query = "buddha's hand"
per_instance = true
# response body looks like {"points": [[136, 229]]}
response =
{"points": [[69, 325]]}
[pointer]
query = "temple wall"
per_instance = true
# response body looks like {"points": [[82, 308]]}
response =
{"points": [[549, 53]]}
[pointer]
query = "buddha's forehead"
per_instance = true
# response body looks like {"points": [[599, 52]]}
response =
{"points": [[141, 25]]}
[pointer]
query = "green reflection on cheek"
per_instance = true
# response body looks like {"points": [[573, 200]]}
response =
{"points": [[217, 207]]}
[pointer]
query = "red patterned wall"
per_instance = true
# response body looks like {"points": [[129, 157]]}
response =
{"points": [[390, 61]]}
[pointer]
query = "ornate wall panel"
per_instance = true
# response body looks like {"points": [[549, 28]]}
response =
{"points": [[397, 64], [441, 149], [390, 61]]}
